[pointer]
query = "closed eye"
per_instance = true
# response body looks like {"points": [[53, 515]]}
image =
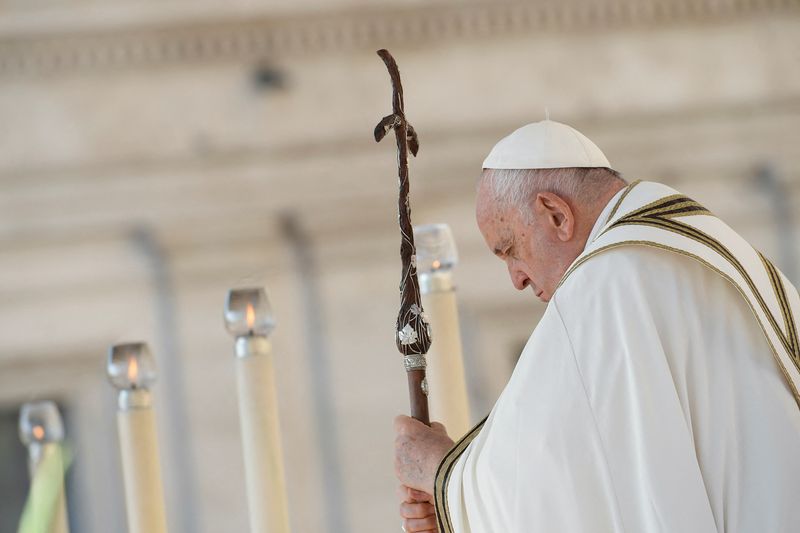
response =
{"points": [[502, 253]]}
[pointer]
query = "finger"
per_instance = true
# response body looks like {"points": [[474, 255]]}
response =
{"points": [[418, 525], [419, 495], [409, 495], [416, 510], [404, 494]]}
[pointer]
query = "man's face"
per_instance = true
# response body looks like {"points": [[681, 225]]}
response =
{"points": [[534, 254]]}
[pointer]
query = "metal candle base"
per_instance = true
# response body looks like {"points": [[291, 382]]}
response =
{"points": [[134, 399], [430, 282], [252, 345]]}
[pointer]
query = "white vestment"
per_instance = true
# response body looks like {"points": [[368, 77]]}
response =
{"points": [[658, 393]]}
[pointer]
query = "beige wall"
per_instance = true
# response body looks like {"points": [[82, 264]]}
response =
{"points": [[140, 178]]}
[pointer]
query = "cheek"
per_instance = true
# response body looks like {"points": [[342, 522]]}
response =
{"points": [[533, 253], [554, 269], [541, 262]]}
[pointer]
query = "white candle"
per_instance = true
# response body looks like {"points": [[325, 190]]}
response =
{"points": [[42, 431], [436, 256], [249, 318], [131, 369]]}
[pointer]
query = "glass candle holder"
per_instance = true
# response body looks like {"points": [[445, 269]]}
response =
{"points": [[248, 312]]}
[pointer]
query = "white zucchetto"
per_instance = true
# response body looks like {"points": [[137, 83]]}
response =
{"points": [[545, 144]]}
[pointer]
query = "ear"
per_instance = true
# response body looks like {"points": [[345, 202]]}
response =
{"points": [[556, 215]]}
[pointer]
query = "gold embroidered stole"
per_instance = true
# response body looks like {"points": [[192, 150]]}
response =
{"points": [[651, 214], [443, 477]]}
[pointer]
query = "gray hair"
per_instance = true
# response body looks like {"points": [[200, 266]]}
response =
{"points": [[515, 187]]}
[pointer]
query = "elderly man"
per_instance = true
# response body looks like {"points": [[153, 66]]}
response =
{"points": [[659, 391]]}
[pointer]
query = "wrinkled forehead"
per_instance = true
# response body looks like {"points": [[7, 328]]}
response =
{"points": [[486, 202], [494, 220], [488, 206]]}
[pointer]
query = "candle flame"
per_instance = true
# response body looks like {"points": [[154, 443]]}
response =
{"points": [[133, 370], [38, 432], [436, 264], [250, 316]]}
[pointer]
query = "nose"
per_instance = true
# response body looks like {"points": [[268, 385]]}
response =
{"points": [[519, 278]]}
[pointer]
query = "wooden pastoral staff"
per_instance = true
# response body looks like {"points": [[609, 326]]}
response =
{"points": [[413, 331]]}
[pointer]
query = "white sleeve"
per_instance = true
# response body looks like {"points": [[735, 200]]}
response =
{"points": [[537, 464], [587, 436]]}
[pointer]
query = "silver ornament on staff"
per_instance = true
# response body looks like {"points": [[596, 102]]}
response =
{"points": [[132, 370], [249, 318], [436, 258], [42, 431]]}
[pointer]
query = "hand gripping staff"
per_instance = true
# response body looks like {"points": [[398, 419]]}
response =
{"points": [[413, 333]]}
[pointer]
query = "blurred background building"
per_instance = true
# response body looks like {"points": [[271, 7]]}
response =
{"points": [[154, 154]]}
